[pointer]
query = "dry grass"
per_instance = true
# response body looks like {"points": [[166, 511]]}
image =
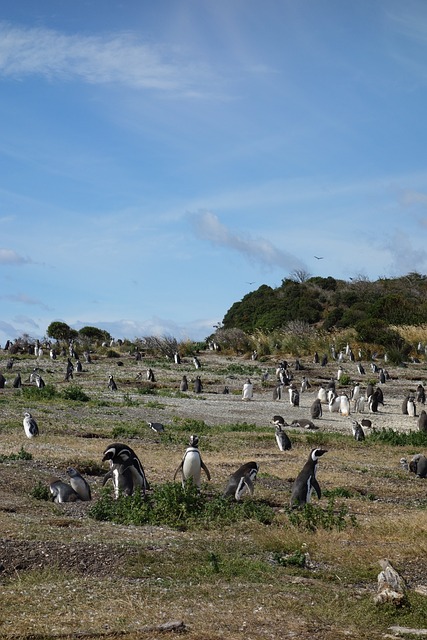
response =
{"points": [[65, 573]]}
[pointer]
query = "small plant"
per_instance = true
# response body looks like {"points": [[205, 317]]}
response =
{"points": [[313, 517], [75, 392], [345, 380], [123, 431], [338, 492], [21, 455], [128, 401], [40, 492], [295, 559], [190, 425]]}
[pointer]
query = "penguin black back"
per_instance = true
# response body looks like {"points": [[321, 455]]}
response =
{"points": [[306, 480]]}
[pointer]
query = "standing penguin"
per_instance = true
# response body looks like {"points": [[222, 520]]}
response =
{"points": [[184, 384], [422, 421], [421, 394], [321, 394], [121, 454], [121, 475], [198, 387], [79, 484], [30, 425], [361, 369], [17, 383], [247, 391], [192, 464], [344, 404], [357, 430], [411, 406], [242, 480], [293, 396], [112, 383], [282, 439], [316, 410], [306, 480]]}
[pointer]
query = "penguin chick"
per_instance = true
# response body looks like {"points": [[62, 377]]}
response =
{"points": [[418, 465], [357, 430], [316, 410], [30, 425], [62, 492], [306, 480], [79, 484], [192, 464], [282, 439], [304, 423], [242, 480]]}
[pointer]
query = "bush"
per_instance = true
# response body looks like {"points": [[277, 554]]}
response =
{"points": [[399, 439], [311, 516], [21, 455], [76, 393], [48, 392], [174, 506]]}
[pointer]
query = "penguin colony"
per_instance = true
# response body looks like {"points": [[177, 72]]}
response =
{"points": [[127, 473]]}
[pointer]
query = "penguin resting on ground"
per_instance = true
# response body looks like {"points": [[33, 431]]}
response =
{"points": [[242, 480], [192, 464], [306, 480], [62, 492]]}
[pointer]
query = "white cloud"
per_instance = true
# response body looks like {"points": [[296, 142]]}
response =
{"points": [[8, 256], [22, 298], [119, 58], [131, 329], [208, 227]]}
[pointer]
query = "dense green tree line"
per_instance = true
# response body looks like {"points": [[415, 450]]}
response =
{"points": [[331, 303]]}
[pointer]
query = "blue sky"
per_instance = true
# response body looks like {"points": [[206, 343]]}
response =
{"points": [[156, 158]]}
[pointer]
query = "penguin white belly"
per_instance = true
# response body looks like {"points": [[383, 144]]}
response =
{"points": [[191, 467]]}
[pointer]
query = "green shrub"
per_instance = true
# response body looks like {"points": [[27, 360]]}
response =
{"points": [[75, 392], [40, 492], [174, 506], [295, 559], [345, 380], [311, 516], [48, 392]]}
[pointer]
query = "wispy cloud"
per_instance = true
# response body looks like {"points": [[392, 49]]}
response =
{"points": [[8, 256], [208, 227], [111, 59], [24, 299]]}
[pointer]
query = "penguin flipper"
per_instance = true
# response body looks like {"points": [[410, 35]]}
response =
{"points": [[179, 469], [250, 485], [205, 469], [108, 476], [316, 487]]}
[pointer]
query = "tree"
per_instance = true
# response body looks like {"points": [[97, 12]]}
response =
{"points": [[61, 331], [93, 334]]}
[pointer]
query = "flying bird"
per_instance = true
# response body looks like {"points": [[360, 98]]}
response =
{"points": [[319, 257]]}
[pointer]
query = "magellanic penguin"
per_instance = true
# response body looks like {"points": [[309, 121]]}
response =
{"points": [[112, 383], [30, 425], [304, 423], [283, 441], [422, 421], [316, 410], [121, 454], [357, 430], [62, 492], [418, 465], [192, 464], [306, 480], [247, 391], [79, 484], [157, 427], [184, 384], [122, 478], [242, 480]]}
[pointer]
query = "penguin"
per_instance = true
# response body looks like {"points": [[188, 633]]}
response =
{"points": [[316, 410], [334, 403], [184, 384], [418, 465], [305, 384], [150, 375], [339, 372], [122, 478], [381, 376], [373, 402], [405, 405], [293, 396], [17, 383], [380, 396], [421, 394], [282, 439], [192, 464], [242, 480], [62, 491], [177, 358], [279, 421], [304, 423], [30, 425], [247, 391], [324, 361], [196, 362], [277, 392], [40, 383], [79, 484], [79, 367], [344, 405], [359, 405], [357, 430], [316, 358], [422, 421], [306, 480], [369, 390], [331, 385], [121, 454], [112, 383], [198, 387], [321, 394], [366, 423], [226, 390], [157, 427], [411, 406]]}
